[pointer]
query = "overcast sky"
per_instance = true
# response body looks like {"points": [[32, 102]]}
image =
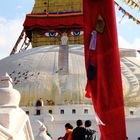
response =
{"points": [[13, 12]]}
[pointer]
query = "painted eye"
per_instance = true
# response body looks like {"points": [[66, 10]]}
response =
{"points": [[76, 33], [51, 34]]}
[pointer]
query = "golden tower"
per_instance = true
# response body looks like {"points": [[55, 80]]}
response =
{"points": [[50, 19], [47, 6]]}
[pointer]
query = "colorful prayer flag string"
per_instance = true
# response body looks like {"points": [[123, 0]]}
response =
{"points": [[125, 13], [131, 3]]}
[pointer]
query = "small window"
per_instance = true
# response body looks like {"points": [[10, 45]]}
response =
{"points": [[62, 111], [45, 2], [45, 10], [73, 111], [85, 111], [131, 112], [37, 112], [50, 111], [27, 112]]}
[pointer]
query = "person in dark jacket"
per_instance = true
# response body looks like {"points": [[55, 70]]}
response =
{"points": [[87, 126], [80, 132]]}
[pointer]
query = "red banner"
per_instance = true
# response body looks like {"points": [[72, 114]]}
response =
{"points": [[104, 84]]}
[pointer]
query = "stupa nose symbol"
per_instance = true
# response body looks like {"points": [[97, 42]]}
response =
{"points": [[64, 39]]}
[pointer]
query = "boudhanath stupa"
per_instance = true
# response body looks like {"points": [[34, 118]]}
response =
{"points": [[50, 75]]}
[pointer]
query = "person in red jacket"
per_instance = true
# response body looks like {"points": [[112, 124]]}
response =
{"points": [[68, 134]]}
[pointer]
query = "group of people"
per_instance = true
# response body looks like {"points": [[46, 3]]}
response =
{"points": [[81, 132]]}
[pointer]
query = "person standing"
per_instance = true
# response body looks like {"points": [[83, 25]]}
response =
{"points": [[87, 126], [68, 134], [80, 132]]}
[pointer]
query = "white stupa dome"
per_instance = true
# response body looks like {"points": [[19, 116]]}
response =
{"points": [[35, 74]]}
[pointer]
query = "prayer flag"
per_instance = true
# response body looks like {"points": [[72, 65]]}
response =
{"points": [[104, 83]]}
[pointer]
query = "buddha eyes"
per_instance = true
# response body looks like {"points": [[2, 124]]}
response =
{"points": [[76, 33], [55, 33], [51, 34]]}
